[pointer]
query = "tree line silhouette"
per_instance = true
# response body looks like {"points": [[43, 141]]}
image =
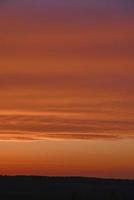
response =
{"points": [[65, 188]]}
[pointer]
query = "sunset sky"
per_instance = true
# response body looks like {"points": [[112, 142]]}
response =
{"points": [[66, 87]]}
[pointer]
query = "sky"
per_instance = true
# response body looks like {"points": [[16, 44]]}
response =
{"points": [[66, 87]]}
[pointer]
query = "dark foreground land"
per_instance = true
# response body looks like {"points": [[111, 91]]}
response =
{"points": [[75, 188]]}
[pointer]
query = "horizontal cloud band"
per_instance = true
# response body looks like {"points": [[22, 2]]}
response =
{"points": [[54, 125]]}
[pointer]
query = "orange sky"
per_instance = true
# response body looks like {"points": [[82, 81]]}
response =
{"points": [[66, 88]]}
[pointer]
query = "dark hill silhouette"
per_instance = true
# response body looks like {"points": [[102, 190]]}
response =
{"points": [[65, 188]]}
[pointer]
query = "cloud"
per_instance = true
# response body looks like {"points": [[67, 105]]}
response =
{"points": [[30, 126], [68, 80]]}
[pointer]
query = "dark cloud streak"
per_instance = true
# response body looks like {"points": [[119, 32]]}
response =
{"points": [[58, 126]]}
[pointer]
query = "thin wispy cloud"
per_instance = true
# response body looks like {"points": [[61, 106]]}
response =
{"points": [[54, 125]]}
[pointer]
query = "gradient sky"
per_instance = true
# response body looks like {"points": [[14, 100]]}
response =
{"points": [[66, 87]]}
